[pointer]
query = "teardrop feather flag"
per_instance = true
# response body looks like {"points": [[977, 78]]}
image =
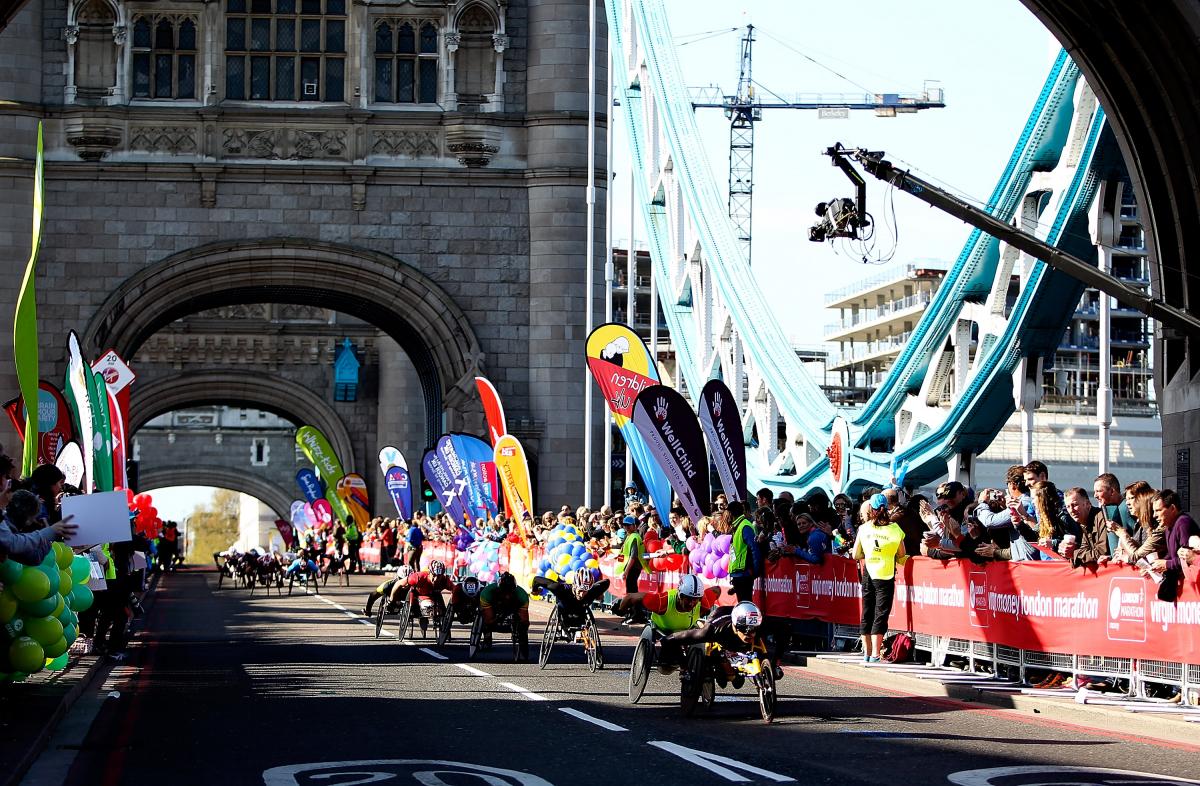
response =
{"points": [[25, 332], [722, 425], [76, 391], [512, 470], [671, 430], [316, 447], [622, 366]]}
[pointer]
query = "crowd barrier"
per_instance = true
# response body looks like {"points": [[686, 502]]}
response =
{"points": [[1100, 621]]}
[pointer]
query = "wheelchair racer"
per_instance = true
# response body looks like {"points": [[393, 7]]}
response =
{"points": [[393, 589], [464, 600], [734, 632], [503, 598], [575, 598], [672, 611]]}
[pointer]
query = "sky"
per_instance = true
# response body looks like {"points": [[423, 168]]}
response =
{"points": [[989, 56]]}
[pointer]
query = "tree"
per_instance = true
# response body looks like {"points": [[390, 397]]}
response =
{"points": [[214, 526]]}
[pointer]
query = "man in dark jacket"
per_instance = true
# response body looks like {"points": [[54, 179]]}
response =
{"points": [[1092, 546]]}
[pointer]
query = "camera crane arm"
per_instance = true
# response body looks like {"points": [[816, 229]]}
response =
{"points": [[875, 164]]}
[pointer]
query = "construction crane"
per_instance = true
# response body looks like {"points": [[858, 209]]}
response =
{"points": [[744, 109]]}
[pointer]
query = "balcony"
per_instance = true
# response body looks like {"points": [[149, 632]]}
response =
{"points": [[869, 349], [908, 271], [885, 311]]}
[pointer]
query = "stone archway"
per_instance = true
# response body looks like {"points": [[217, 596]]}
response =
{"points": [[297, 404], [268, 493], [395, 297]]}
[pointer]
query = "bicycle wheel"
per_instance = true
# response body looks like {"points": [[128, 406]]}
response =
{"points": [[379, 615], [596, 657], [767, 695], [548, 637], [476, 636], [639, 670], [405, 617], [291, 582], [691, 681], [443, 635]]}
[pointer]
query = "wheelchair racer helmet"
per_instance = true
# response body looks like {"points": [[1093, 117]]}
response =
{"points": [[582, 580], [506, 582], [746, 617], [470, 587], [690, 586], [437, 568]]}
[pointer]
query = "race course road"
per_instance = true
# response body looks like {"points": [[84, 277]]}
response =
{"points": [[227, 688]]}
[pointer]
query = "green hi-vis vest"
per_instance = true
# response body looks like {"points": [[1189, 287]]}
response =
{"points": [[110, 569], [631, 550], [741, 552], [673, 619]]}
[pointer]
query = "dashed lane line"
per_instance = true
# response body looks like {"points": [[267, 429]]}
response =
{"points": [[473, 670], [523, 691], [583, 716], [434, 654]]}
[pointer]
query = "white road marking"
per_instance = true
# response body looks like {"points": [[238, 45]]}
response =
{"points": [[523, 691], [583, 716], [433, 654], [371, 770], [473, 670], [713, 763]]}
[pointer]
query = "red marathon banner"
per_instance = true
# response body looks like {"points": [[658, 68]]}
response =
{"points": [[1048, 607]]}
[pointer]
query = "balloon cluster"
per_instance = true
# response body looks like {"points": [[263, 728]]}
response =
{"points": [[483, 560], [566, 553], [667, 561], [39, 608], [146, 521], [710, 556]]}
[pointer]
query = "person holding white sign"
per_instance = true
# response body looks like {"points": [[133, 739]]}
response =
{"points": [[20, 538]]}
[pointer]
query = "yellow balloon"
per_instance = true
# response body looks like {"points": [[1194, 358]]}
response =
{"points": [[552, 575], [592, 563]]}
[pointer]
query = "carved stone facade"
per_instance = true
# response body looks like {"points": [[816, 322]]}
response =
{"points": [[439, 225]]}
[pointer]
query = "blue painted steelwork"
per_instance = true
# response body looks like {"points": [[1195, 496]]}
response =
{"points": [[980, 409]]}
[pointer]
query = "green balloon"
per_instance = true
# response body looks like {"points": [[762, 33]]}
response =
{"points": [[70, 633], [27, 655], [18, 676], [40, 608], [63, 556], [10, 571], [59, 663], [60, 606], [81, 569], [44, 630], [66, 616], [57, 648], [33, 585], [65, 582], [50, 560], [81, 598], [51, 572], [8, 605]]}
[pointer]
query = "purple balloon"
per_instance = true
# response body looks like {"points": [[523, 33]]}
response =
{"points": [[724, 542], [708, 538]]}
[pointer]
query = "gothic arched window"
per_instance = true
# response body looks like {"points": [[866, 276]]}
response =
{"points": [[285, 50], [164, 57], [406, 62]]}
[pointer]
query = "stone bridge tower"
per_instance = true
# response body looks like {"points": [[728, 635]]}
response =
{"points": [[418, 166]]}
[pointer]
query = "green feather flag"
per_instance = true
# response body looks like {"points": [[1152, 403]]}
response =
{"points": [[25, 332]]}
